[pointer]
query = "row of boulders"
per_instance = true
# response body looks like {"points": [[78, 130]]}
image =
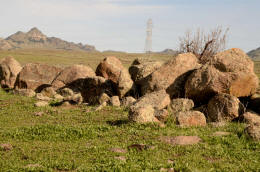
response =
{"points": [[182, 89]]}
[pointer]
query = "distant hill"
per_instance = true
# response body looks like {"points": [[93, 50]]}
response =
{"points": [[36, 39], [254, 54], [169, 51]]}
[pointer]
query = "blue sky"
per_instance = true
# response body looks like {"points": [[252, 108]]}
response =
{"points": [[120, 24]]}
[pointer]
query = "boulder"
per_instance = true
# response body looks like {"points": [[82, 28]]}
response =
{"points": [[128, 101], [230, 72], [142, 114], [191, 118], [40, 96], [158, 100], [72, 73], [161, 115], [9, 69], [36, 76], [92, 87], [111, 68], [253, 130], [41, 104], [181, 105], [65, 92], [25, 92], [74, 99], [142, 68], [171, 76], [251, 118], [114, 101], [224, 107], [103, 98], [48, 92]]}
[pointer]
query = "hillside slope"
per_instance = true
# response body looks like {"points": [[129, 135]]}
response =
{"points": [[36, 39], [255, 54]]}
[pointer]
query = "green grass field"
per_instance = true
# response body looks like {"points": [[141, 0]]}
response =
{"points": [[79, 139]]}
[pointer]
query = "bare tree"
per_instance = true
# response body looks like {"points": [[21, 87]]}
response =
{"points": [[204, 46]]}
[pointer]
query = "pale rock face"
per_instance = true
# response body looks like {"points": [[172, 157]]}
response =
{"points": [[34, 76], [171, 76], [230, 72], [111, 68], [191, 118], [114, 101], [9, 69], [72, 73], [143, 114], [224, 107]]}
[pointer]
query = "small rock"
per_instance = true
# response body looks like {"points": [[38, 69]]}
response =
{"points": [[48, 92], [118, 150], [218, 124], [6, 147], [251, 118], [191, 118], [25, 92], [41, 104], [139, 147], [143, 114], [33, 165], [128, 101], [40, 96], [103, 98], [65, 104], [181, 140], [65, 92], [122, 158], [39, 113], [74, 99], [161, 115], [115, 101], [167, 169], [58, 97], [104, 104], [253, 130], [181, 105], [221, 133]]}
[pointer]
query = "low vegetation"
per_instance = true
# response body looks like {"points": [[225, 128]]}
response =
{"points": [[78, 139]]}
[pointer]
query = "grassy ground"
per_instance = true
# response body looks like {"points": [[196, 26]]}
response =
{"points": [[77, 139], [65, 58]]}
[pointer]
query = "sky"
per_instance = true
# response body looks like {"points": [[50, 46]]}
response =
{"points": [[121, 24]]}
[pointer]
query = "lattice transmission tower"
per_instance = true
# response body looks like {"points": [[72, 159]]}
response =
{"points": [[148, 41]]}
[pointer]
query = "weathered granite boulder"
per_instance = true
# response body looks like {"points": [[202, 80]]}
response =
{"points": [[9, 69]]}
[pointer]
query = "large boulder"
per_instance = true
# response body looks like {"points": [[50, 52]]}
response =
{"points": [[230, 72], [36, 76], [171, 76], [224, 107], [72, 73], [158, 99], [92, 88], [145, 108], [111, 68], [9, 69], [141, 68]]}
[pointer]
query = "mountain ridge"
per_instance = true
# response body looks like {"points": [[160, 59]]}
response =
{"points": [[34, 38]]}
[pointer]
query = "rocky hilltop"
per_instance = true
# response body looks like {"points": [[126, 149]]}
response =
{"points": [[254, 54], [36, 39]]}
